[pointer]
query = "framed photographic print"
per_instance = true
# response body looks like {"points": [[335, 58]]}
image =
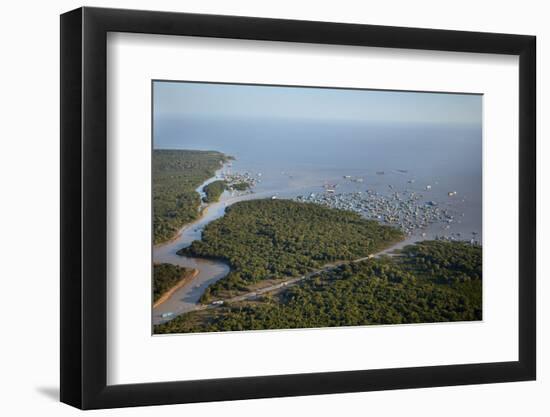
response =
{"points": [[258, 207]]}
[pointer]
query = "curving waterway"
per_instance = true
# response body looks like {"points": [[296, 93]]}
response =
{"points": [[186, 298], [291, 158]]}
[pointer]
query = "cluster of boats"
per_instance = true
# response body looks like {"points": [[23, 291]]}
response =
{"points": [[406, 209], [241, 178]]}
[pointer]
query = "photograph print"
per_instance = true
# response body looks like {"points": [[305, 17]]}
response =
{"points": [[295, 207]]}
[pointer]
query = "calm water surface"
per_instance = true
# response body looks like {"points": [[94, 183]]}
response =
{"points": [[297, 157]]}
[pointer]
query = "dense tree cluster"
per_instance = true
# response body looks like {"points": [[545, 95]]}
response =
{"points": [[176, 175], [388, 290], [263, 239], [165, 276], [214, 190], [445, 262]]}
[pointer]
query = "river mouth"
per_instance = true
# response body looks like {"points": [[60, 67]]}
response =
{"points": [[186, 298]]}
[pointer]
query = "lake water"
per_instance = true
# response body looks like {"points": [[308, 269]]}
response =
{"points": [[300, 156]]}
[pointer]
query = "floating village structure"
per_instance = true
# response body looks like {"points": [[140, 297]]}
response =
{"points": [[408, 210]]}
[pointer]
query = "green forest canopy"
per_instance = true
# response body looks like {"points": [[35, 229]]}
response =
{"points": [[264, 239], [165, 276], [417, 287], [176, 175], [214, 190]]}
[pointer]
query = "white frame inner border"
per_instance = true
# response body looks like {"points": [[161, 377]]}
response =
{"points": [[135, 356]]}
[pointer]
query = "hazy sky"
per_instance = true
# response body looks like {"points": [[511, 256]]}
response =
{"points": [[178, 99]]}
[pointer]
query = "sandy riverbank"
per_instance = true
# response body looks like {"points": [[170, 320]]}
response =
{"points": [[183, 282]]}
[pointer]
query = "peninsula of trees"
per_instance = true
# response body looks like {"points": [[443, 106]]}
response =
{"points": [[431, 281], [176, 175], [274, 239], [165, 276], [214, 190]]}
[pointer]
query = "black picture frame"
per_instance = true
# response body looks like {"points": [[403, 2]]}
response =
{"points": [[84, 207]]}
